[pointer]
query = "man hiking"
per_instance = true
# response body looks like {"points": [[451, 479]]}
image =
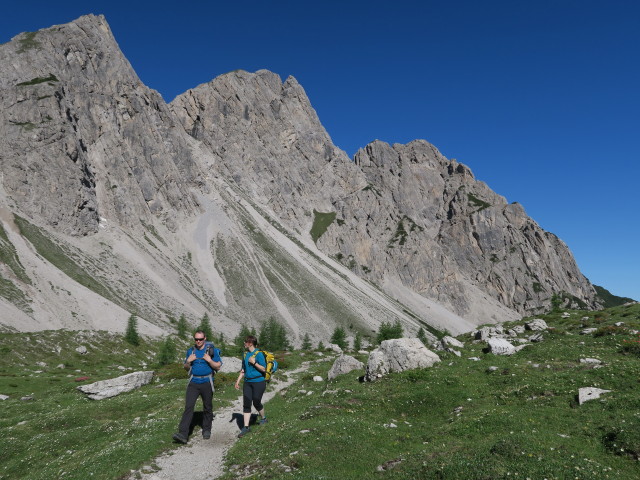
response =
{"points": [[201, 361]]}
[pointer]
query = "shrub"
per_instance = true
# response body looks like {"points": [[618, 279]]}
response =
{"points": [[273, 336], [131, 334], [205, 326], [182, 326], [387, 331], [339, 337], [167, 352], [306, 342]]}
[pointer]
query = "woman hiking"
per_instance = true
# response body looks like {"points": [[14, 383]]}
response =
{"points": [[254, 366]]}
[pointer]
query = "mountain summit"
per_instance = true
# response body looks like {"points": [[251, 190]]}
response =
{"points": [[233, 200]]}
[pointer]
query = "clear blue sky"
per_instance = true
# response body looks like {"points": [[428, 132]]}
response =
{"points": [[540, 99]]}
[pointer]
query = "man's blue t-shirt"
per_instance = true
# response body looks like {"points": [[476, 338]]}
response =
{"points": [[199, 367], [251, 373]]}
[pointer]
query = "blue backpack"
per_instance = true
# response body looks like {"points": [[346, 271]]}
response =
{"points": [[212, 351]]}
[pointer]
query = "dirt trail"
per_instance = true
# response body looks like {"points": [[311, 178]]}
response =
{"points": [[206, 457]]}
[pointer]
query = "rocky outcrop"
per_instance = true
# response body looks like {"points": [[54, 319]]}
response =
{"points": [[220, 201], [343, 365], [115, 386], [82, 138], [398, 355]]}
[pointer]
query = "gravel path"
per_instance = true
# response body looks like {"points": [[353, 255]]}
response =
{"points": [[204, 459]]}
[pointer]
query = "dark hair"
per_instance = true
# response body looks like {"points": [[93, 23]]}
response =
{"points": [[251, 339], [200, 331]]}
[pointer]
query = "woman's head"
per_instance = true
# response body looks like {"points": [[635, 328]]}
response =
{"points": [[251, 340]]}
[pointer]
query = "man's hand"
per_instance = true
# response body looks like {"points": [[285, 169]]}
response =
{"points": [[191, 358], [237, 385], [254, 360], [207, 358]]}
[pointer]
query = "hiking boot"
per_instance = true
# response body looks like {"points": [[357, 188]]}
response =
{"points": [[206, 435], [244, 431], [178, 437], [263, 421]]}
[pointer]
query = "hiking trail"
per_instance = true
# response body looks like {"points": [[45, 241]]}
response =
{"points": [[207, 456]]}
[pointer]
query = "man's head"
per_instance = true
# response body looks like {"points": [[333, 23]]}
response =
{"points": [[251, 340], [199, 338]]}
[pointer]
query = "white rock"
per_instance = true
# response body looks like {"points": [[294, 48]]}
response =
{"points": [[499, 346], [590, 393], [448, 341], [115, 386], [334, 348], [488, 332], [41, 364], [475, 359], [591, 361], [619, 324], [536, 325], [398, 355], [4, 397], [588, 331], [318, 378], [61, 366], [344, 364], [82, 350]]}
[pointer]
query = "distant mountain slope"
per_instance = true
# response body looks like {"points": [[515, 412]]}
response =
{"points": [[234, 201]]}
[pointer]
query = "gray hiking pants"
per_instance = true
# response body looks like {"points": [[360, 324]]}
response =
{"points": [[195, 390]]}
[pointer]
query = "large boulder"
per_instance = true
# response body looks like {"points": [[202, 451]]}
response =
{"points": [[398, 355], [344, 364], [115, 386], [499, 346], [536, 325]]}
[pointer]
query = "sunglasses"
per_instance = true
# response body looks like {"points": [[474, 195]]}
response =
{"points": [[198, 339]]}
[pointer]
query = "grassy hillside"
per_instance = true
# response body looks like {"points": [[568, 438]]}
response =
{"points": [[463, 420], [459, 419], [55, 432]]}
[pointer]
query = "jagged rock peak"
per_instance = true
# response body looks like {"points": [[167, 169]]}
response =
{"points": [[82, 137]]}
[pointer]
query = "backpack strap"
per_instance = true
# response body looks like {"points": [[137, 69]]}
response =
{"points": [[255, 355]]}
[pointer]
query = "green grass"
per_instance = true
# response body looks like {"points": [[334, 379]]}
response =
{"points": [[9, 257], [57, 256], [402, 231], [28, 41], [476, 202], [321, 222], [64, 434], [459, 420], [37, 80]]}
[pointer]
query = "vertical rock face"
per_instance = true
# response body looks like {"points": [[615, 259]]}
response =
{"points": [[81, 137], [84, 144], [401, 214], [270, 142]]}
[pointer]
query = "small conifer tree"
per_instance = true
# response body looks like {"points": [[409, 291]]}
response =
{"points": [[357, 342], [131, 334], [422, 336], [320, 346], [182, 326], [339, 337], [387, 331], [167, 352], [306, 342], [205, 326]]}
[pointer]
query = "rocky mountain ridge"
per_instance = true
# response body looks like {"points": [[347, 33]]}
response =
{"points": [[233, 200]]}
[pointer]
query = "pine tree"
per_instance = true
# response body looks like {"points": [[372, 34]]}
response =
{"points": [[167, 352], [205, 326], [320, 346], [422, 336], [357, 342], [182, 326], [131, 334], [238, 341], [339, 337], [306, 342], [387, 331]]}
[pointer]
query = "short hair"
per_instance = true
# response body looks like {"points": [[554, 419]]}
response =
{"points": [[200, 331], [252, 340]]}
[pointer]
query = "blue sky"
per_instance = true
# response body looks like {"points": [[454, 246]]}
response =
{"points": [[540, 99]]}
